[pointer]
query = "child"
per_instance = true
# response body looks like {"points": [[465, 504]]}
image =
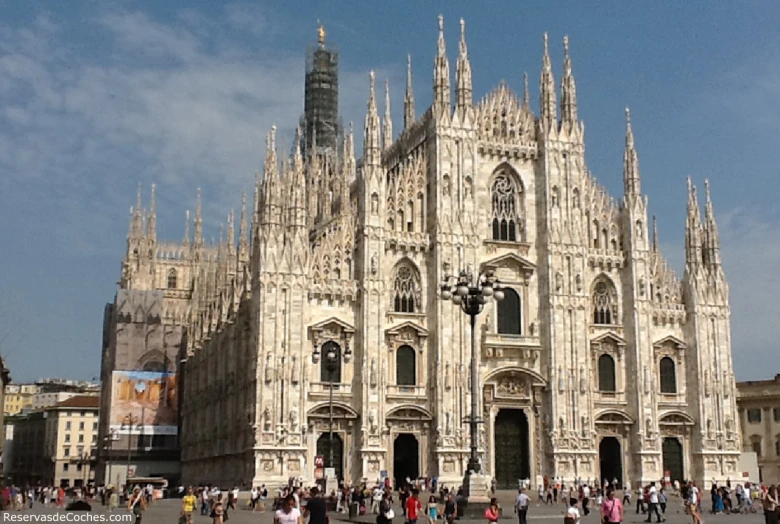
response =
{"points": [[432, 509]]}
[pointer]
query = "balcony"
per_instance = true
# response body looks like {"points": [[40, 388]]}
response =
{"points": [[322, 389], [518, 348], [405, 392]]}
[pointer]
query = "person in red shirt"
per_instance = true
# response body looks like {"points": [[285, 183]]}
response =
{"points": [[413, 507]]}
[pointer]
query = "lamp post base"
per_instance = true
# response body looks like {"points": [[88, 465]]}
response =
{"points": [[477, 494]]}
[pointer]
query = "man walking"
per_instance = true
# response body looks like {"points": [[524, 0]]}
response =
{"points": [[653, 504], [521, 506]]}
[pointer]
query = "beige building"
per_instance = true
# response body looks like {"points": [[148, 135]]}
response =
{"points": [[759, 415], [18, 397], [57, 445], [599, 363]]}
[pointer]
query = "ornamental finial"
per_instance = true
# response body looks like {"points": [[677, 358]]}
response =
{"points": [[320, 33]]}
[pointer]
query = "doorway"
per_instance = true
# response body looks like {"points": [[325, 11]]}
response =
{"points": [[511, 443], [611, 460], [673, 458], [323, 448], [406, 459]]}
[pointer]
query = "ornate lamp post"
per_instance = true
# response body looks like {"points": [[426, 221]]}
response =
{"points": [[471, 292], [331, 363], [128, 423]]}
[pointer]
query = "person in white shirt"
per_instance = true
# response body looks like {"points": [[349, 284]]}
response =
{"points": [[585, 499], [288, 514], [653, 505], [573, 513], [521, 506], [376, 498]]}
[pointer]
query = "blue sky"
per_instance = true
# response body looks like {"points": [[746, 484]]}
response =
{"points": [[96, 97]]}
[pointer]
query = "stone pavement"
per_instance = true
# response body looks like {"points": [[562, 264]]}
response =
{"points": [[167, 512]]}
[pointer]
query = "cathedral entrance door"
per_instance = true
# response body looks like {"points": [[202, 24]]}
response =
{"points": [[673, 458], [406, 459], [611, 460], [323, 449], [511, 442]]}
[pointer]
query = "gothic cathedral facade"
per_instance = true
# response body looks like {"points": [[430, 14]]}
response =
{"points": [[322, 332]]}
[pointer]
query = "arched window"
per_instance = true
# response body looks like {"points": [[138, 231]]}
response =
{"points": [[506, 217], [172, 279], [604, 302], [510, 313], [330, 362], [154, 366], [405, 366], [406, 289], [668, 373], [607, 373]]}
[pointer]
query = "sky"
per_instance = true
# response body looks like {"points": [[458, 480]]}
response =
{"points": [[97, 97]]}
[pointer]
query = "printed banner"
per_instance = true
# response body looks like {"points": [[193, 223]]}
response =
{"points": [[144, 402]]}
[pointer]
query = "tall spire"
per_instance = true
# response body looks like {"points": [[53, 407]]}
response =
{"points": [[187, 228], [387, 129], [243, 247], [526, 92], [295, 193], [137, 221], [655, 234], [711, 235], [547, 106], [271, 189], [631, 181], [693, 231], [231, 232], [372, 141], [463, 71], [568, 88], [198, 221], [409, 115], [151, 225], [441, 75]]}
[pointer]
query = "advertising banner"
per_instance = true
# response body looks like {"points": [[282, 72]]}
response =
{"points": [[144, 403]]}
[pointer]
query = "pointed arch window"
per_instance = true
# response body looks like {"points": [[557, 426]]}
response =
{"points": [[668, 373], [510, 313], [607, 374], [172, 279], [406, 289], [405, 366], [604, 303], [506, 218], [330, 362]]}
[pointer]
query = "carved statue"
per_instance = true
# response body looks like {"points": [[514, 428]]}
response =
{"points": [[561, 380], [372, 374], [729, 429], [648, 427], [558, 281], [448, 423], [707, 383], [294, 369], [269, 370], [578, 282], [583, 380], [374, 264], [294, 419], [468, 188], [709, 428], [267, 419], [646, 381], [447, 377], [585, 425], [372, 422]]}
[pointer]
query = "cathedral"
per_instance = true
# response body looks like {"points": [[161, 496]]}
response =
{"points": [[320, 337]]}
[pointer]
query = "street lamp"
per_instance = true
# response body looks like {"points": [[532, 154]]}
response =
{"points": [[331, 362], [128, 422], [108, 442], [471, 292]]}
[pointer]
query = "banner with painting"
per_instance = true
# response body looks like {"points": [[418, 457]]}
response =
{"points": [[144, 403]]}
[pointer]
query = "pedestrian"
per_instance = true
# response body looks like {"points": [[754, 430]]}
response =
{"points": [[433, 510], [188, 506], [771, 504], [136, 504], [316, 509], [288, 513], [611, 509], [573, 513], [493, 511], [692, 502], [652, 506], [450, 509], [413, 507], [218, 511], [521, 506]]}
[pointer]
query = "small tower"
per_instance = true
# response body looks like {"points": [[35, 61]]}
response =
{"points": [[387, 128], [441, 75], [409, 115], [568, 92], [547, 104], [463, 72]]}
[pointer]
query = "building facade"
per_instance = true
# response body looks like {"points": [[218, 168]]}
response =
{"points": [[600, 362], [18, 397], [759, 414], [57, 446]]}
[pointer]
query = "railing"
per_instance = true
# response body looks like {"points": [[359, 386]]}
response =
{"points": [[323, 388], [406, 391]]}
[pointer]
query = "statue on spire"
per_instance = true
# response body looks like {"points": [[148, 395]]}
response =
{"points": [[320, 34]]}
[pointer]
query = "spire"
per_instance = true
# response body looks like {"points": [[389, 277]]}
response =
{"points": [[388, 124], [631, 181], [271, 196], [463, 71], [693, 232], [187, 228], [151, 225], [136, 224], [655, 234], [568, 88], [441, 75], [711, 236], [243, 247], [372, 146], [198, 221], [526, 92], [297, 157], [409, 115], [295, 193], [231, 232], [549, 113]]}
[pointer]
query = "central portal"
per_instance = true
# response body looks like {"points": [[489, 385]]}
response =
{"points": [[406, 459], [324, 447], [511, 442]]}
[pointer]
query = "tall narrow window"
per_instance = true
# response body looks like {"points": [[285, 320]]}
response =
{"points": [[668, 373], [405, 366], [172, 279], [607, 373], [506, 209], [330, 362], [604, 302], [406, 289], [510, 313]]}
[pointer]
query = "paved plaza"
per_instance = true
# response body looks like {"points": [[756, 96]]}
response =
{"points": [[167, 512]]}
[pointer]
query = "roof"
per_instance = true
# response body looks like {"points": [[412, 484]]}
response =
{"points": [[79, 402]]}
